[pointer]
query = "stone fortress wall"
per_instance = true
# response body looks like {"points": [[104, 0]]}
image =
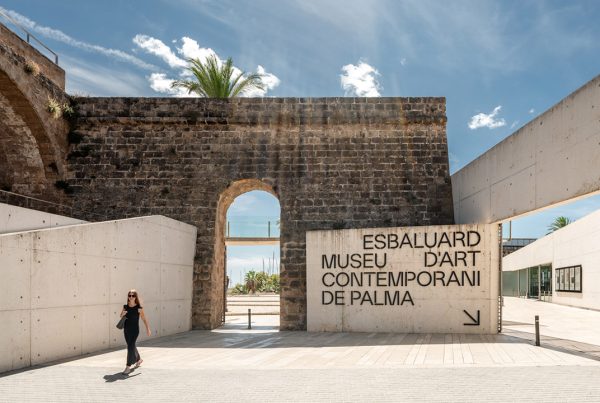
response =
{"points": [[333, 163]]}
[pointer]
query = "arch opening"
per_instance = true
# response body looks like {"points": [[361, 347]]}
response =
{"points": [[247, 256]]}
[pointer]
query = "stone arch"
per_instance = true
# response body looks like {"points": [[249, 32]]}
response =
{"points": [[24, 160], [227, 197], [32, 144]]}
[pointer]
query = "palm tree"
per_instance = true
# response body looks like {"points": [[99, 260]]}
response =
{"points": [[251, 281], [558, 223], [213, 79]]}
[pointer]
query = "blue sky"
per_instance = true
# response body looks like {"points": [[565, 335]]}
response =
{"points": [[499, 64]]}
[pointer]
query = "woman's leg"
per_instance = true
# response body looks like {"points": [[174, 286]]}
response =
{"points": [[131, 336]]}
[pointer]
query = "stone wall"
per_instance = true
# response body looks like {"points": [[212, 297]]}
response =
{"points": [[332, 162]]}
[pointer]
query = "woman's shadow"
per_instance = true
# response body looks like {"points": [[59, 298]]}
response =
{"points": [[119, 376]]}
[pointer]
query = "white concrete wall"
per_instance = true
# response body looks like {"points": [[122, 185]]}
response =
{"points": [[15, 219], [62, 289], [576, 244], [552, 159], [435, 308]]}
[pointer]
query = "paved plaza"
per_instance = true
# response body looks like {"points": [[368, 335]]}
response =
{"points": [[262, 364]]}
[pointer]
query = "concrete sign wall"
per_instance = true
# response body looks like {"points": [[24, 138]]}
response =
{"points": [[436, 279]]}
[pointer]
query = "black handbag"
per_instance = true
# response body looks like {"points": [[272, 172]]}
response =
{"points": [[121, 323]]}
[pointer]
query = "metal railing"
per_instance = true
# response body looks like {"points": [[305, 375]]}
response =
{"points": [[253, 227], [29, 35]]}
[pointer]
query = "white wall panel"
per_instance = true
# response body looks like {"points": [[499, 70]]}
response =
{"points": [[14, 340], [55, 333], [15, 270]]}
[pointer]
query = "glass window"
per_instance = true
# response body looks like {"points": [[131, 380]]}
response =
{"points": [[568, 279], [561, 275], [578, 278]]}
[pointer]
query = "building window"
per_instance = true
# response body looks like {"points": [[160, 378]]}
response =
{"points": [[568, 279]]}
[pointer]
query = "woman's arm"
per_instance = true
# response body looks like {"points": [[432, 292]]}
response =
{"points": [[148, 331], [123, 312]]}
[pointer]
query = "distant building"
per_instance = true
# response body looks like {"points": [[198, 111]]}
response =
{"points": [[514, 244]]}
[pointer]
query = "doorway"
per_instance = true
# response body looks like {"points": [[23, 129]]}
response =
{"points": [[252, 262]]}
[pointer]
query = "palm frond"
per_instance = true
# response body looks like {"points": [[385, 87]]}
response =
{"points": [[213, 79]]}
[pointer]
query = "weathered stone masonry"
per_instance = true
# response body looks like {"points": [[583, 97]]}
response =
{"points": [[332, 162]]}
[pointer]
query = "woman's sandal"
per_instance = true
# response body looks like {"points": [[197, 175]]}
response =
{"points": [[137, 364]]}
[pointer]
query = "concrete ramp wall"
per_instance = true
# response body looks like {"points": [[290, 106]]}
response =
{"points": [[63, 288], [552, 159], [15, 219]]}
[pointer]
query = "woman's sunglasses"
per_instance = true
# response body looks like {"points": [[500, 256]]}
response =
{"points": [[131, 295]]}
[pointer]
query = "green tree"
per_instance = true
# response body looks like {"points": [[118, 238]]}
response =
{"points": [[213, 79], [558, 223], [273, 284], [261, 281]]}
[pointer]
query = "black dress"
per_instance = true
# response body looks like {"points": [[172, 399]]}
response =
{"points": [[132, 330]]}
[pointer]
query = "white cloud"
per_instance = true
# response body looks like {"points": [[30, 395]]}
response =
{"points": [[531, 111], [269, 80], [158, 48], [60, 36], [160, 83], [360, 80], [403, 61], [514, 124], [487, 120], [190, 48]]}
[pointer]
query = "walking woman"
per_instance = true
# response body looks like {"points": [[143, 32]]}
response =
{"points": [[133, 310]]}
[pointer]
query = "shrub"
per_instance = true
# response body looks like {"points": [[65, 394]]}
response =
{"points": [[54, 108], [68, 111], [32, 68]]}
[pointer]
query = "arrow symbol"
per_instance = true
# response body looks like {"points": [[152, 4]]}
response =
{"points": [[475, 321]]}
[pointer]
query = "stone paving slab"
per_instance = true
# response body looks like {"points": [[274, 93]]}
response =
{"points": [[235, 364], [487, 384]]}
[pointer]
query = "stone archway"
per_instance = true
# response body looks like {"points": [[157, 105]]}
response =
{"points": [[33, 145], [227, 197]]}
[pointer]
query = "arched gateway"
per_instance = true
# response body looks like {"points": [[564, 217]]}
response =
{"points": [[332, 162]]}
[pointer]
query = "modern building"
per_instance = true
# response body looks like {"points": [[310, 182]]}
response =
{"points": [[563, 267]]}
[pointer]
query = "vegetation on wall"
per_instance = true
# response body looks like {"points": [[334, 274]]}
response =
{"points": [[32, 68]]}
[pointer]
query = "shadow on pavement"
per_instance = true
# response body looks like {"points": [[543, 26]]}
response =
{"points": [[580, 349], [118, 377]]}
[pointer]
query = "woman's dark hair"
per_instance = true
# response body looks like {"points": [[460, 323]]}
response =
{"points": [[137, 297]]}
